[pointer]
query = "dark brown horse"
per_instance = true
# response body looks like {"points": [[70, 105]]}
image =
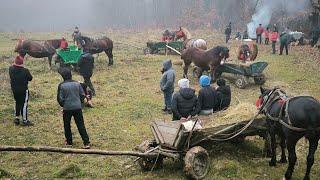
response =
{"points": [[37, 49], [97, 46], [210, 58], [291, 118]]}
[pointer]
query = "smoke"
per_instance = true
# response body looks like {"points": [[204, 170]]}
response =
{"points": [[266, 8]]}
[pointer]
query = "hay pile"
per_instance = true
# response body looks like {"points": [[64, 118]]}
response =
{"points": [[237, 113]]}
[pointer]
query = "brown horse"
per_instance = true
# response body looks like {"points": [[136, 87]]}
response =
{"points": [[37, 49], [188, 41], [210, 58], [97, 46]]}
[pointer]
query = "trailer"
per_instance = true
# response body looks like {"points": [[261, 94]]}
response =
{"points": [[156, 47], [69, 56]]}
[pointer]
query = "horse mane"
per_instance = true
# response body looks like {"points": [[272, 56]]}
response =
{"points": [[86, 39], [186, 32], [216, 50]]}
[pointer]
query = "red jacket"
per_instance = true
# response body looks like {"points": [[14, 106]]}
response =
{"points": [[259, 30], [274, 36], [63, 44], [266, 34]]}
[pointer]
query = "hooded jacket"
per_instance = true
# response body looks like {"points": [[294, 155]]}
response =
{"points": [[208, 98], [168, 77], [185, 103], [70, 95], [86, 65], [19, 79], [224, 97]]}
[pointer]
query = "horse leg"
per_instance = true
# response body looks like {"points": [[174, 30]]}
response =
{"points": [[273, 146], [185, 71], [212, 73], [110, 56], [283, 149], [313, 145], [292, 156], [50, 60]]}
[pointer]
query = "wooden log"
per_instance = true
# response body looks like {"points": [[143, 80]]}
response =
{"points": [[173, 49], [76, 151]]}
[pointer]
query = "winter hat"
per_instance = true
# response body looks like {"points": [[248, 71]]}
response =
{"points": [[65, 73], [204, 81], [183, 83], [18, 61]]}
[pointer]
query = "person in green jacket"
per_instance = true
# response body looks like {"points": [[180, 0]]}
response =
{"points": [[284, 42]]}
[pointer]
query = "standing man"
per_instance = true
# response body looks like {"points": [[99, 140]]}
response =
{"points": [[259, 32], [19, 79], [86, 65], [76, 35], [167, 85], [70, 95], [284, 42], [266, 36], [274, 38], [228, 32]]}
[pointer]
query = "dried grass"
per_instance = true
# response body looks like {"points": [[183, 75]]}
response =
{"points": [[237, 113]]}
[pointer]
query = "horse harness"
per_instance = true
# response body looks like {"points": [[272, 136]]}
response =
{"points": [[278, 95]]}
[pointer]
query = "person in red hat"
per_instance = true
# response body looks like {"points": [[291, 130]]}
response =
{"points": [[19, 79]]}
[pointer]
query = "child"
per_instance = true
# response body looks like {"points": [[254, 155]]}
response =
{"points": [[19, 79], [167, 84], [224, 94]]}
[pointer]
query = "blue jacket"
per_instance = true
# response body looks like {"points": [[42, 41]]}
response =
{"points": [[168, 77]]}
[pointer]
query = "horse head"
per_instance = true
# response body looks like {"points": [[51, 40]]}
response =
{"points": [[224, 53], [266, 95], [19, 45], [179, 34]]}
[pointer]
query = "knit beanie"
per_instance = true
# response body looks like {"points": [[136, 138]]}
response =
{"points": [[204, 81], [183, 83]]}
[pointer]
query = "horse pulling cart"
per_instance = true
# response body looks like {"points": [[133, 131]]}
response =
{"points": [[175, 140], [241, 72], [156, 47]]}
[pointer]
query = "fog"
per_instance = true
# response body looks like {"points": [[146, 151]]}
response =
{"points": [[266, 8], [61, 15]]}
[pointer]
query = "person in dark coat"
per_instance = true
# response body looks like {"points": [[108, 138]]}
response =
{"points": [[228, 32], [86, 65], [208, 97], [70, 96], [284, 42], [167, 84], [224, 94], [19, 79], [184, 103]]}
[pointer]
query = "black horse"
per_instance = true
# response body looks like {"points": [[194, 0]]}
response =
{"points": [[95, 46], [291, 118]]}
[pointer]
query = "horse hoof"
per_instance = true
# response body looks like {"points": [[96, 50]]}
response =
{"points": [[283, 161], [272, 164]]}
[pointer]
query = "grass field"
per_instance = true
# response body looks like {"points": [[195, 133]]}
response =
{"points": [[128, 99]]}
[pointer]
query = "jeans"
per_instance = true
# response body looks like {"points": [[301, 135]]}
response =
{"points": [[259, 38], [266, 41], [206, 112], [284, 45], [78, 118], [168, 99], [21, 104], [88, 82], [274, 47]]}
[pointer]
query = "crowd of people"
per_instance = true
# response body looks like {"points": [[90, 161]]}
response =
{"points": [[272, 35], [185, 103]]}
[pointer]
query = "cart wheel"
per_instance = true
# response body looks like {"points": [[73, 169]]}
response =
{"points": [[197, 72], [148, 164], [147, 51], [260, 80], [196, 163], [241, 82]]}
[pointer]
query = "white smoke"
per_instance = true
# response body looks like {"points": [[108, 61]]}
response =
{"points": [[265, 9]]}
